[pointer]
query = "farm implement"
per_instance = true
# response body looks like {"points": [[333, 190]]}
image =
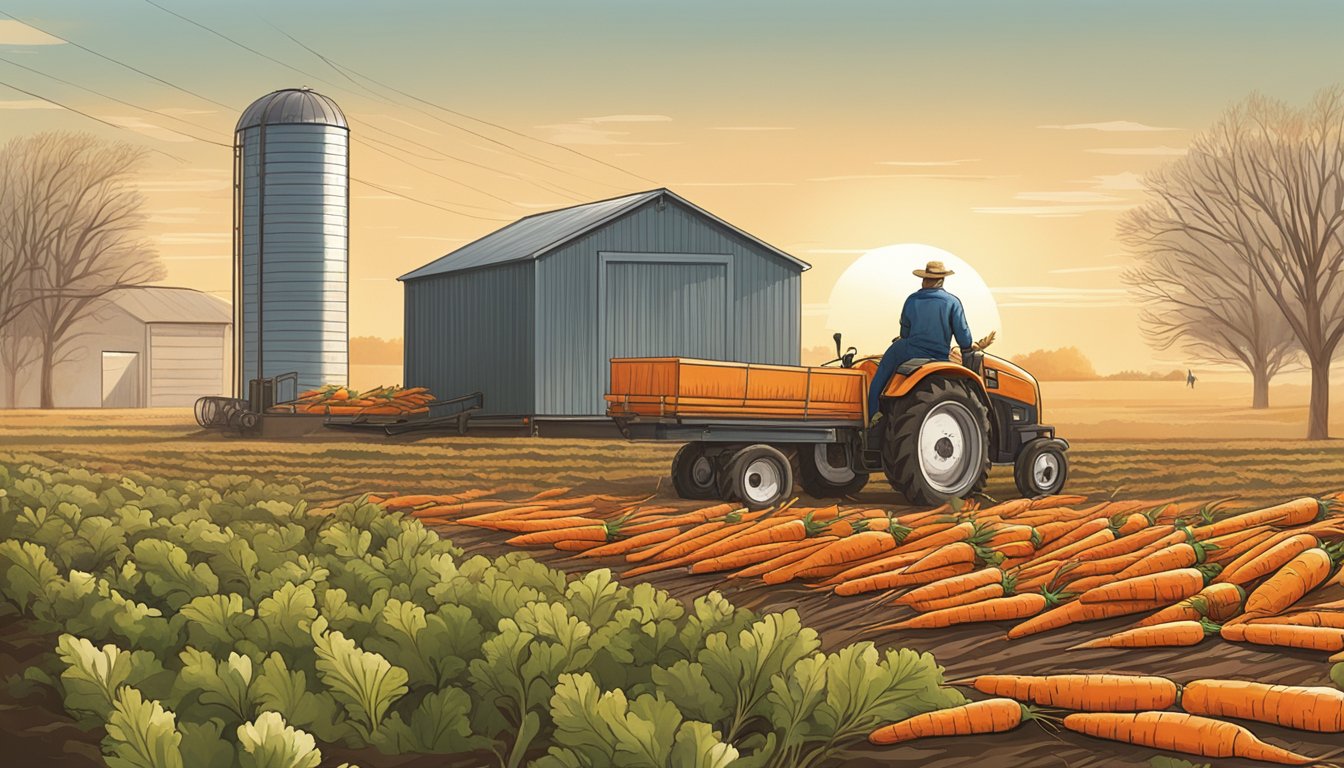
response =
{"points": [[744, 426]]}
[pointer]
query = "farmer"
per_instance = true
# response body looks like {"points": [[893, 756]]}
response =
{"points": [[930, 318]]}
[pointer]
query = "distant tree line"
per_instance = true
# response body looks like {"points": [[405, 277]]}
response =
{"points": [[1240, 250], [70, 232]]}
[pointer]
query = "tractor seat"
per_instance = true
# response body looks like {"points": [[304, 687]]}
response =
{"points": [[910, 366]]}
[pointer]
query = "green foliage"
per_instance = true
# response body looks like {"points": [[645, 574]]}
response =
{"points": [[141, 734], [1337, 674], [268, 633], [268, 742]]}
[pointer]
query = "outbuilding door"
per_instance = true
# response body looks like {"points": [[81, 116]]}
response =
{"points": [[186, 362], [121, 380], [657, 305]]}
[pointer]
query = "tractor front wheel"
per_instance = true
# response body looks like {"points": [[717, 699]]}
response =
{"points": [[757, 476], [936, 445], [693, 473], [1041, 468]]}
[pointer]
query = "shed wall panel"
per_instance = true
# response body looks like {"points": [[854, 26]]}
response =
{"points": [[473, 331]]}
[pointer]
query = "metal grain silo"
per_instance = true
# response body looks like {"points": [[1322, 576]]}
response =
{"points": [[291, 239]]}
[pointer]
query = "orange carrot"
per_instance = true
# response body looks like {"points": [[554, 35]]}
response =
{"points": [[1286, 635], [575, 545], [1331, 619], [1180, 732], [1174, 633], [504, 512], [692, 546], [1296, 512], [784, 560], [989, 716], [658, 549], [690, 518], [1292, 582], [996, 609], [898, 578], [1258, 539], [549, 494], [1134, 523], [1133, 543], [948, 587], [634, 542], [1103, 693], [596, 533], [846, 550], [1217, 602], [530, 526], [1077, 534], [1074, 612], [1315, 708], [1164, 588], [742, 558], [919, 539], [1254, 566], [882, 564], [1170, 558], [980, 594], [952, 554], [792, 531]]}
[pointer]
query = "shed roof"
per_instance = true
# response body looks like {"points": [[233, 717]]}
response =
{"points": [[535, 235], [161, 304]]}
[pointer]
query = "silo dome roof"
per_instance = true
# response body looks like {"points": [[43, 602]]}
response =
{"points": [[292, 105]]}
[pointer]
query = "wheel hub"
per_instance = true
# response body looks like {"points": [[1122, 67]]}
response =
{"points": [[949, 447], [1045, 469], [702, 471], [762, 480]]}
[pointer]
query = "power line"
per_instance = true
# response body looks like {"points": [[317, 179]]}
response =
{"points": [[358, 140], [118, 63], [381, 188], [85, 114], [109, 97]]}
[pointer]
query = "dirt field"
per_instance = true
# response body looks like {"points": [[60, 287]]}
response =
{"points": [[167, 443]]}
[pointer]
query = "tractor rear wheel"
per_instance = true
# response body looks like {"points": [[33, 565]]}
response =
{"points": [[936, 444], [824, 471], [757, 476], [693, 473]]}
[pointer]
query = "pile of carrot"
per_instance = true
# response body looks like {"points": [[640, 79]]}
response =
{"points": [[335, 400], [1138, 710]]}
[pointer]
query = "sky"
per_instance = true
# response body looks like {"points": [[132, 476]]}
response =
{"points": [[1011, 134]]}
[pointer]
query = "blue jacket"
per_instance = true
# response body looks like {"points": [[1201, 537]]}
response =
{"points": [[930, 319]]}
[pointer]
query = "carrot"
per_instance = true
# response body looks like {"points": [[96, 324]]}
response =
{"points": [[1011, 533], [1114, 564], [531, 526], [1134, 523], [952, 554], [690, 518], [1164, 588], [925, 537], [784, 560], [898, 578], [1072, 551], [765, 533], [1315, 708], [881, 564], [980, 594], [989, 716], [1181, 732], [1332, 619], [658, 549], [1135, 542], [1254, 566], [1286, 635], [546, 494], [1074, 612], [952, 586], [488, 519], [996, 609], [1218, 602], [596, 533], [1175, 633], [1292, 582], [1296, 512], [1170, 558], [1077, 534], [1104, 693], [685, 552], [575, 545], [634, 542], [1057, 500], [745, 557]]}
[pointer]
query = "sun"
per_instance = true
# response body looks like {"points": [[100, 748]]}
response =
{"points": [[865, 304]]}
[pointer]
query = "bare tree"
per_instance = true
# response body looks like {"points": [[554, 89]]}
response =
{"points": [[1267, 183], [77, 228], [19, 349], [1202, 298]]}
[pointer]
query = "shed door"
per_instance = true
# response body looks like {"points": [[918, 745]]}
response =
{"points": [[121, 380], [186, 362], [659, 309]]}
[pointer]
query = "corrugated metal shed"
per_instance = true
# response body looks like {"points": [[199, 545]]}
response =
{"points": [[530, 315], [155, 304]]}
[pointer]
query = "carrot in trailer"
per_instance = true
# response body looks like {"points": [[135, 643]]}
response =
{"points": [[1175, 633], [1099, 693], [1181, 732], [1326, 639], [988, 716], [1314, 708]]}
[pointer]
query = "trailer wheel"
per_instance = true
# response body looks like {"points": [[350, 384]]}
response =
{"points": [[824, 471], [758, 476], [693, 473], [1041, 468], [936, 445]]}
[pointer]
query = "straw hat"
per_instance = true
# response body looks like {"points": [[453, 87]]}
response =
{"points": [[933, 270]]}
